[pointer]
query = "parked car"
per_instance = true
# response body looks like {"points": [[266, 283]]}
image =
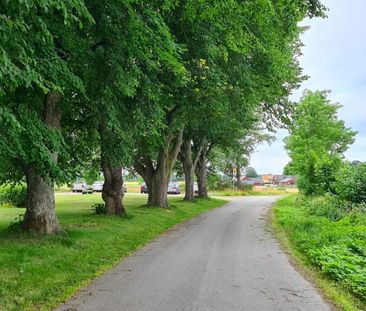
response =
{"points": [[173, 188], [143, 188], [87, 189], [82, 186], [195, 188], [79, 186], [98, 186]]}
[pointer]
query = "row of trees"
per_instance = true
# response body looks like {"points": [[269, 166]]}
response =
{"points": [[111, 84]]}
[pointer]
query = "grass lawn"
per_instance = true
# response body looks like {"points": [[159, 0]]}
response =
{"points": [[331, 253], [37, 273], [256, 191]]}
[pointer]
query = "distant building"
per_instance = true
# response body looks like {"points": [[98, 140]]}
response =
{"points": [[286, 181], [255, 181], [269, 179]]}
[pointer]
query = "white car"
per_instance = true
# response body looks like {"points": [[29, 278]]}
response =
{"points": [[98, 186], [79, 186], [173, 188], [195, 188]]}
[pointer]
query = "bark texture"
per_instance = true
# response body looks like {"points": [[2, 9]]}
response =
{"points": [[157, 176], [40, 216], [201, 174], [189, 158], [112, 192], [238, 176]]}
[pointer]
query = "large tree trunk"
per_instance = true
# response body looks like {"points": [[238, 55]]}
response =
{"points": [[40, 216], [159, 188], [112, 192], [238, 176], [189, 161], [157, 178], [201, 174], [188, 179]]}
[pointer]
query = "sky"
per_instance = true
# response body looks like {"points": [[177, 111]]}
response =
{"points": [[334, 56]]}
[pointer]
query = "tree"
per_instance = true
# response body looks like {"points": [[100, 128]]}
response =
{"points": [[129, 52], [289, 169], [36, 37], [317, 142], [241, 70], [250, 172]]}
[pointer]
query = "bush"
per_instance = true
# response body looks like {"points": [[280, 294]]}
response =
{"points": [[14, 195], [333, 207], [350, 183], [337, 248], [217, 182], [99, 208], [245, 187], [344, 263]]}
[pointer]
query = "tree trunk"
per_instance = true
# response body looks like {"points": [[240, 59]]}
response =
{"points": [[189, 161], [238, 176], [40, 216], [157, 178], [159, 188], [188, 179], [112, 192], [201, 174]]}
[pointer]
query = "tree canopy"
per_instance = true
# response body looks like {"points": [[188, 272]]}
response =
{"points": [[89, 85], [317, 142]]}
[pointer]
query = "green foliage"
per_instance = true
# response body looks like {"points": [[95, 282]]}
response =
{"points": [[37, 38], [99, 208], [331, 236], [30, 48], [218, 182], [317, 143], [350, 183], [289, 169], [14, 195], [251, 172]]}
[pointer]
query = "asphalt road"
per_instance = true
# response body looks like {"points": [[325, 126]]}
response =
{"points": [[224, 260]]}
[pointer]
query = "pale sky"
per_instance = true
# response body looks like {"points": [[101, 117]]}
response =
{"points": [[334, 56]]}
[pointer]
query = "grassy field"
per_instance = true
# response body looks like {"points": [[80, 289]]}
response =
{"points": [[331, 253], [37, 273], [256, 191]]}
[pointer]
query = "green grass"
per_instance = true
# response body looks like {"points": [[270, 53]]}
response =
{"points": [[37, 273], [256, 191], [331, 253]]}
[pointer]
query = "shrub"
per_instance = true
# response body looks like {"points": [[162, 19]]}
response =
{"points": [[344, 263], [245, 187], [99, 208], [217, 182], [14, 195], [350, 183]]}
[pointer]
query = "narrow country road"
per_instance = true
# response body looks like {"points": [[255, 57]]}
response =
{"points": [[223, 260]]}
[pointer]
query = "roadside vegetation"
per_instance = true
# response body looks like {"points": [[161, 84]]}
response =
{"points": [[38, 272], [329, 241], [325, 226]]}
